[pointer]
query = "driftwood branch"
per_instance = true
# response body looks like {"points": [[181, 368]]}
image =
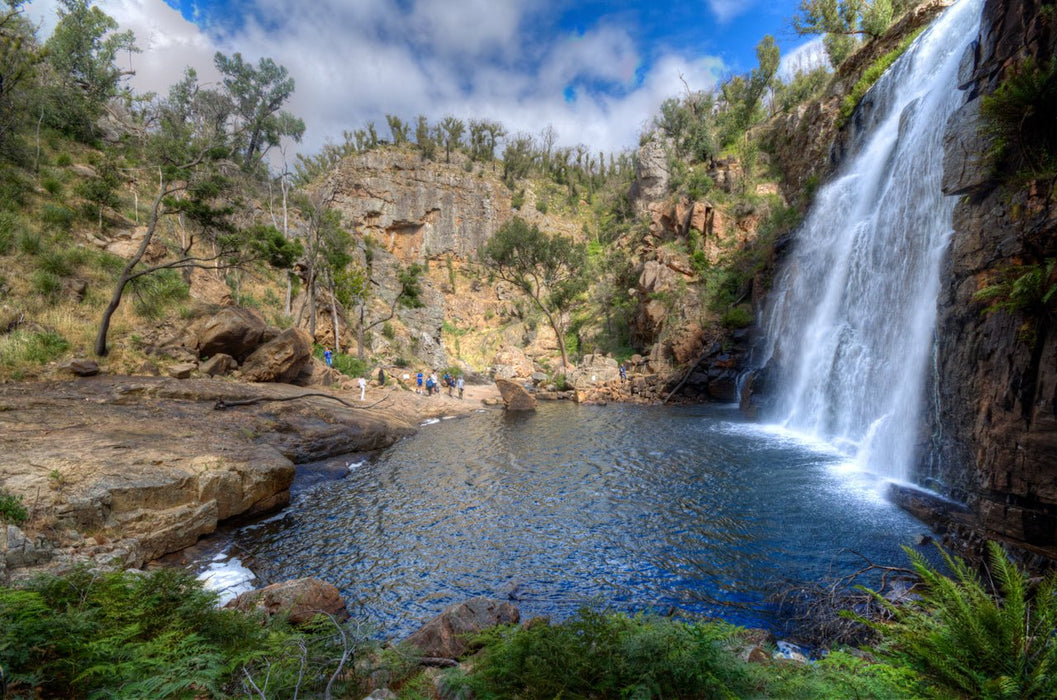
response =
{"points": [[222, 404]]}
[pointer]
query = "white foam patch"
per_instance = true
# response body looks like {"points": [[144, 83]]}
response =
{"points": [[781, 436], [278, 516], [353, 466], [430, 421], [228, 577]]}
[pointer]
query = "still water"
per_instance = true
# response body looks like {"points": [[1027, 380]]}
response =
{"points": [[683, 509]]}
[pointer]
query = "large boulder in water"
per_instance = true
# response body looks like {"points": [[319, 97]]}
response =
{"points": [[515, 397], [445, 635], [233, 331], [300, 600], [281, 359]]}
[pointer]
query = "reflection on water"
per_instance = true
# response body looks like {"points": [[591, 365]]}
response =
{"points": [[665, 508]]}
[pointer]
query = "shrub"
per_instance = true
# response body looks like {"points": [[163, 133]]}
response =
{"points": [[55, 262], [389, 331], [29, 243], [8, 225], [52, 186], [739, 316], [63, 160], [57, 217], [152, 294], [46, 285], [517, 200], [604, 655], [95, 634], [11, 508], [977, 642], [31, 347], [1019, 119], [411, 287]]}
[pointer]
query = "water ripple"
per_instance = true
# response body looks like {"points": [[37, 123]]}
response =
{"points": [[639, 507]]}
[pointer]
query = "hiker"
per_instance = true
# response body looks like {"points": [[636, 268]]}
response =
{"points": [[381, 377], [429, 386], [363, 387], [328, 358], [419, 379], [460, 384], [623, 372]]}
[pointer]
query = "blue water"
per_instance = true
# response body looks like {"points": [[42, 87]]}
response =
{"points": [[677, 509]]}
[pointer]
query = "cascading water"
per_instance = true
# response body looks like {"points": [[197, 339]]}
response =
{"points": [[849, 326]]}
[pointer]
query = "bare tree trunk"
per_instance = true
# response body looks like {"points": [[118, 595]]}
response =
{"points": [[359, 331], [289, 292], [127, 272], [334, 313], [312, 305]]}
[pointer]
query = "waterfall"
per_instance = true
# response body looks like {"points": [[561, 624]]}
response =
{"points": [[849, 324]]}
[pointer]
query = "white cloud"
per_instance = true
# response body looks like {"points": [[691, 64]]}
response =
{"points": [[726, 10], [358, 61]]}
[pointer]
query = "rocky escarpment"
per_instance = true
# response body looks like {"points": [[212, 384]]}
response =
{"points": [[992, 438], [416, 208]]}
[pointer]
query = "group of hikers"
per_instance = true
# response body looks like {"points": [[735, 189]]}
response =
{"points": [[431, 385]]}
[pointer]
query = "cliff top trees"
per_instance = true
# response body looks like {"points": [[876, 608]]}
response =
{"points": [[547, 268], [841, 22]]}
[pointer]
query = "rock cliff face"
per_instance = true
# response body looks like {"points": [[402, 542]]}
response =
{"points": [[415, 208], [993, 430]]}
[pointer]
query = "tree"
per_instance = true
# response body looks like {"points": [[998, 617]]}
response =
{"points": [[842, 22], [424, 138], [82, 51], [398, 129], [517, 159], [547, 268], [258, 95], [19, 57], [188, 153], [452, 129]]}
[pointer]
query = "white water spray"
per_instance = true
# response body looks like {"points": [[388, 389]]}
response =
{"points": [[849, 326]]}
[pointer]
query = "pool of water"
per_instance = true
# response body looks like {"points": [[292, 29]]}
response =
{"points": [[678, 509]]}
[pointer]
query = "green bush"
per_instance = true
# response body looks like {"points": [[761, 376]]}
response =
{"points": [[604, 655], [739, 316], [1019, 119], [517, 200], [8, 225], [411, 287], [29, 243], [31, 347], [154, 293], [389, 331], [46, 285], [11, 509], [52, 186], [119, 635], [57, 217], [63, 160], [974, 641], [55, 262]]}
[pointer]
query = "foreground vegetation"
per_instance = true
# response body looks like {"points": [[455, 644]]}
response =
{"points": [[158, 634]]}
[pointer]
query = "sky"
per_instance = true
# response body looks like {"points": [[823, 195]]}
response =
{"points": [[595, 70]]}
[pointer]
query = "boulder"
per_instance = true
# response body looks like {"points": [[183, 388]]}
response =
{"points": [[81, 367], [300, 600], [279, 360], [233, 331], [444, 635], [514, 396], [182, 370], [218, 365], [594, 370], [512, 363]]}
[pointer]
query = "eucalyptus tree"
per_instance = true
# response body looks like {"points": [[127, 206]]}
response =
{"points": [[83, 51], [452, 129], [20, 55], [258, 95], [547, 268]]}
